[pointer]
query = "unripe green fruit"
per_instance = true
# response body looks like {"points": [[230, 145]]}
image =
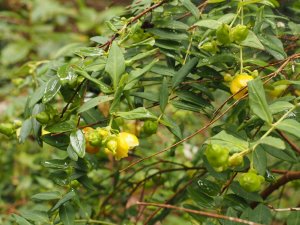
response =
{"points": [[217, 156], [235, 160], [150, 127], [210, 47], [42, 117], [222, 34], [94, 138], [239, 33], [17, 123], [7, 128], [251, 182], [112, 145]]}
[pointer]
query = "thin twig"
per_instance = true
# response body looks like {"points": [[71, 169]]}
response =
{"points": [[109, 42], [287, 177], [72, 98], [292, 144], [202, 213], [284, 209]]}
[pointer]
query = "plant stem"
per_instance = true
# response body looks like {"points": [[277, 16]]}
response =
{"points": [[241, 47]]}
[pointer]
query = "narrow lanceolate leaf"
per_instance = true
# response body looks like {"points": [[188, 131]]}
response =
{"points": [[67, 214], [191, 7], [20, 220], [115, 65], [25, 130], [47, 196], [52, 87], [293, 218], [66, 198], [257, 100], [260, 160], [94, 102], [164, 95], [274, 142], [72, 154], [290, 126], [119, 91], [138, 113], [35, 215], [183, 72], [103, 87], [252, 41], [77, 141]]}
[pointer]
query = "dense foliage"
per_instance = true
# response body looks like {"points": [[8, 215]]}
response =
{"points": [[175, 112]]}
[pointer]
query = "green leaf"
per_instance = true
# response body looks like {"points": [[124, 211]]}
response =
{"points": [[94, 102], [36, 126], [52, 87], [103, 87], [138, 113], [290, 126], [293, 218], [89, 51], [274, 142], [216, 59], [261, 214], [280, 106], [191, 7], [115, 65], [92, 115], [252, 41], [77, 141], [227, 18], [208, 23], [237, 189], [59, 141], [55, 164], [70, 195], [35, 215], [234, 144], [119, 91], [72, 154], [215, 1], [172, 24], [37, 95], [191, 97], [168, 35], [282, 155], [257, 100], [273, 46], [66, 74], [146, 95], [61, 127], [141, 56], [67, 214], [25, 130], [260, 160], [186, 106], [164, 95], [47, 196], [183, 72], [232, 213], [199, 197], [20, 220], [172, 126], [15, 51]]}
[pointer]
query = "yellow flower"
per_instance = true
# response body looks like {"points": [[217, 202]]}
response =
{"points": [[126, 142], [240, 81]]}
